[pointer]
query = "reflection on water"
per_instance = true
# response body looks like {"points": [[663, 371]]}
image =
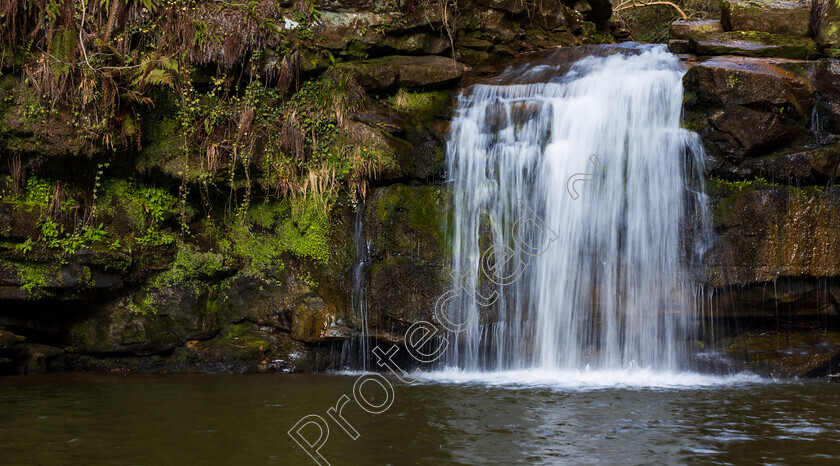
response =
{"points": [[99, 419]]}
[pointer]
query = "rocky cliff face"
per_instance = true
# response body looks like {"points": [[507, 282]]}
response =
{"points": [[179, 185], [762, 92], [179, 181]]}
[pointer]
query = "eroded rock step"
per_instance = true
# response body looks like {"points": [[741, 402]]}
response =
{"points": [[771, 16]]}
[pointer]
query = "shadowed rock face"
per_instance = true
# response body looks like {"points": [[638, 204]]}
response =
{"points": [[410, 259], [405, 71]]}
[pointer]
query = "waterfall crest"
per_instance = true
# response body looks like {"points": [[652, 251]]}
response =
{"points": [[613, 290]]}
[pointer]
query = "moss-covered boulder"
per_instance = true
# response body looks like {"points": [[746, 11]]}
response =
{"points": [[773, 16], [754, 44], [35, 358], [770, 231], [828, 35], [154, 321]]}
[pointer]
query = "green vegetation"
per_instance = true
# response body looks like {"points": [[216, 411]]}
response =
{"points": [[720, 187], [190, 265], [143, 207], [274, 228], [114, 78]]}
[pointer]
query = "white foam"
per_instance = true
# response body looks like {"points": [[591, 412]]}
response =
{"points": [[587, 379]]}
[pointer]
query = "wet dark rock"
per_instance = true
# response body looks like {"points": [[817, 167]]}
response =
{"points": [[784, 299], [827, 85], [769, 232], [409, 269], [679, 46], [38, 359], [747, 131], [795, 353], [152, 322], [746, 107], [814, 166]]}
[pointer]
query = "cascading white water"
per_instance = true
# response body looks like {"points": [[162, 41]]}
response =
{"points": [[612, 292]]}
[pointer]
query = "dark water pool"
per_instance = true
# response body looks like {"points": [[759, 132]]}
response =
{"points": [[116, 419]]}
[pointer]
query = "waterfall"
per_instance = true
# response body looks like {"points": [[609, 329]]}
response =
{"points": [[613, 291]]}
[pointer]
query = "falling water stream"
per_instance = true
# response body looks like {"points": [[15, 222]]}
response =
{"points": [[613, 291], [355, 352]]}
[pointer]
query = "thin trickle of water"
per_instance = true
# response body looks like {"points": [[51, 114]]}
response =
{"points": [[613, 291], [355, 354]]}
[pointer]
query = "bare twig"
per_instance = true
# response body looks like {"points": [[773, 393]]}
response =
{"points": [[634, 4], [81, 39]]}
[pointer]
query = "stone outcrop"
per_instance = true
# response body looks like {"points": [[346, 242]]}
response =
{"points": [[796, 353], [828, 35], [763, 100], [769, 232], [409, 268], [744, 107], [685, 29], [752, 44], [764, 104], [405, 71], [773, 16]]}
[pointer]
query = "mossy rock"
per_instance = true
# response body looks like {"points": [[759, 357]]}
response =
{"points": [[406, 230], [754, 44], [152, 321], [771, 231], [29, 126], [404, 220], [772, 16]]}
